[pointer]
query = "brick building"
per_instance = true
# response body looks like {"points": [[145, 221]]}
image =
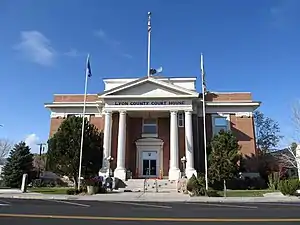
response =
{"points": [[150, 123]]}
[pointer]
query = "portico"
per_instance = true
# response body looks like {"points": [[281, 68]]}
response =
{"points": [[135, 101]]}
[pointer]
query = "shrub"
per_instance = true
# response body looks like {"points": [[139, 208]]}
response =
{"points": [[289, 187], [196, 185], [73, 191]]}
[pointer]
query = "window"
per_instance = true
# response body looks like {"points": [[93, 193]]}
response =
{"points": [[79, 115], [180, 119], [149, 126], [220, 123]]}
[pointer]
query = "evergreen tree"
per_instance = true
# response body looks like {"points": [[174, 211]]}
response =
{"points": [[224, 157], [19, 162], [64, 149]]}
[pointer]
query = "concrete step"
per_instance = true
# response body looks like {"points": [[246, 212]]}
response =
{"points": [[137, 185]]}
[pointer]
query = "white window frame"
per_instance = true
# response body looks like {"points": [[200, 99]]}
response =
{"points": [[79, 115], [152, 124], [180, 119], [215, 116]]}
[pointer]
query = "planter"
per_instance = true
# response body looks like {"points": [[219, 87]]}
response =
{"points": [[91, 190]]}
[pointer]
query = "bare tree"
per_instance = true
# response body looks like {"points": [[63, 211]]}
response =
{"points": [[5, 147], [288, 158]]}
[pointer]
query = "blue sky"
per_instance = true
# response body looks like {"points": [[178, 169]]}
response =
{"points": [[247, 45]]}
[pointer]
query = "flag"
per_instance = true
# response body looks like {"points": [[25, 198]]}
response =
{"points": [[149, 22], [88, 67], [203, 75]]}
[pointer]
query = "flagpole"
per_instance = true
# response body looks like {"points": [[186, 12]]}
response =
{"points": [[149, 43], [83, 121], [204, 121]]}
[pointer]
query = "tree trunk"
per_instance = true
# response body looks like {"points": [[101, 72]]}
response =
{"points": [[75, 182]]}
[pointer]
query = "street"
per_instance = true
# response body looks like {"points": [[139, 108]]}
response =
{"points": [[50, 212]]}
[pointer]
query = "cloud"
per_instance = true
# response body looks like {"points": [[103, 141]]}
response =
{"points": [[36, 47], [32, 140], [114, 44]]}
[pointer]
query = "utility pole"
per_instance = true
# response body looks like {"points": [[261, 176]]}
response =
{"points": [[42, 148]]}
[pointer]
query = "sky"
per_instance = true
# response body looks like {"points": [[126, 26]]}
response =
{"points": [[247, 46]]}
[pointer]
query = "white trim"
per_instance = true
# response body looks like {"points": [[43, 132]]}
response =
{"points": [[149, 97], [149, 144], [122, 80], [148, 108], [67, 104], [252, 103], [152, 80], [226, 109]]}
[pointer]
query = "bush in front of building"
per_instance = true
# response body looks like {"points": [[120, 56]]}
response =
{"points": [[289, 187], [196, 185]]}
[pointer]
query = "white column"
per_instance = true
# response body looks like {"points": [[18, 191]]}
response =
{"points": [[189, 148], [174, 172], [104, 171], [120, 171]]}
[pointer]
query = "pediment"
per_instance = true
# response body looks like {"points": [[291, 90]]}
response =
{"points": [[150, 88]]}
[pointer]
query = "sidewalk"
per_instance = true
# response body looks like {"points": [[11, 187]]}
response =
{"points": [[147, 197]]}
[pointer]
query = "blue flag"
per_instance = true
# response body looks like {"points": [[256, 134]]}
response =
{"points": [[88, 67]]}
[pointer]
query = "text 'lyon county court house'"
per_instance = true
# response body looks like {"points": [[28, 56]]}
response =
{"points": [[150, 123]]}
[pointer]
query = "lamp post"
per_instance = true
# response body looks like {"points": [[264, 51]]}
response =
{"points": [[109, 160], [183, 161]]}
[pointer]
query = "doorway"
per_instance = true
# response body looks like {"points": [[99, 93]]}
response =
{"points": [[149, 164]]}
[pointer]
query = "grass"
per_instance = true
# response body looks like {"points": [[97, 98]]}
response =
{"points": [[230, 193], [50, 190], [245, 193]]}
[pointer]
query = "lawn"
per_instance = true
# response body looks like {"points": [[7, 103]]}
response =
{"points": [[230, 193], [245, 193], [51, 191]]}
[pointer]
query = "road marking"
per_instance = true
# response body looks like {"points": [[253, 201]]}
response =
{"points": [[223, 205], [141, 204], [69, 203], [152, 219], [5, 202]]}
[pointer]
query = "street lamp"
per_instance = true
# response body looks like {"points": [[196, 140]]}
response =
{"points": [[109, 160], [183, 161]]}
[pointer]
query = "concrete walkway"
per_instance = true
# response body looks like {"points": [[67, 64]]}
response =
{"points": [[145, 197]]}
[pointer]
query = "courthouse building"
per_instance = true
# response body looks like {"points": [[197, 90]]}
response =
{"points": [[150, 123]]}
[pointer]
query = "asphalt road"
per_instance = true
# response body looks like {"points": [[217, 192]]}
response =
{"points": [[50, 212]]}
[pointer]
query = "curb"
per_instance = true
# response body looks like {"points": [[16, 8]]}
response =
{"points": [[142, 199]]}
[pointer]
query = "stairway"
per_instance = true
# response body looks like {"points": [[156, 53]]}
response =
{"points": [[163, 186]]}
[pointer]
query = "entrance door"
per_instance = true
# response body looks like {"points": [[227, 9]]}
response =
{"points": [[149, 164]]}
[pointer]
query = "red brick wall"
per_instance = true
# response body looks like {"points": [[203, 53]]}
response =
{"points": [[243, 128], [75, 98], [134, 131], [98, 122], [54, 125], [114, 139], [229, 97], [181, 144], [164, 134]]}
